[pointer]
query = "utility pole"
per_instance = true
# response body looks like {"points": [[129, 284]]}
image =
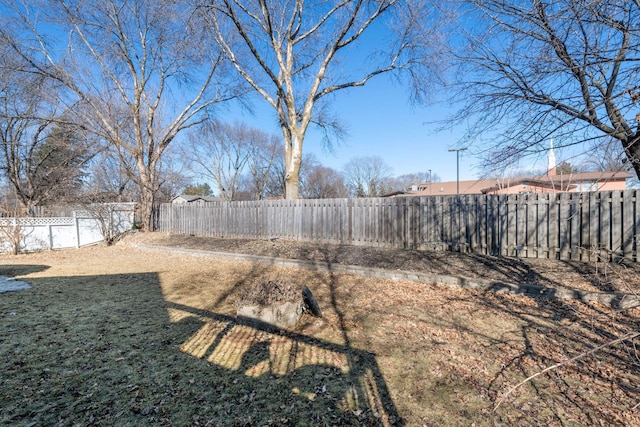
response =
{"points": [[457, 150]]}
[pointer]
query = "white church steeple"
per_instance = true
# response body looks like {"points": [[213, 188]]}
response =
{"points": [[551, 168]]}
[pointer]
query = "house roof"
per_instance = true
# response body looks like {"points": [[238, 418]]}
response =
{"points": [[481, 186], [396, 193], [188, 198], [560, 185]]}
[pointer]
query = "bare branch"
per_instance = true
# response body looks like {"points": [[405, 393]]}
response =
{"points": [[626, 337], [294, 53], [565, 69], [124, 60]]}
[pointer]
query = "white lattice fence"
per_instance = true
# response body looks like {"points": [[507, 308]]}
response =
{"points": [[84, 228]]}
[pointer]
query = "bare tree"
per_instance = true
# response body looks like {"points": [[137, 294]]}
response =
{"points": [[264, 168], [42, 158], [42, 154], [607, 156], [296, 54], [110, 178], [404, 182], [11, 229], [266, 177], [108, 217], [367, 176], [173, 175], [223, 152], [562, 68], [322, 182], [138, 72]]}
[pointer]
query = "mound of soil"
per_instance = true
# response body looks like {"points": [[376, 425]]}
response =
{"points": [[270, 293]]}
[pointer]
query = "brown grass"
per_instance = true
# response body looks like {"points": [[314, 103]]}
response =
{"points": [[121, 336]]}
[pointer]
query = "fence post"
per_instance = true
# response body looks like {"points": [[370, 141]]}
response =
{"points": [[76, 224]]}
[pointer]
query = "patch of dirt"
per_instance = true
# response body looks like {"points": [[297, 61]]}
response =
{"points": [[588, 276]]}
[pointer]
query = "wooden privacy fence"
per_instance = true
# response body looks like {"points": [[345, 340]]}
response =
{"points": [[568, 226]]}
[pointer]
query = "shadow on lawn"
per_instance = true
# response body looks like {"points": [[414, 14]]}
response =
{"points": [[324, 382], [21, 270], [598, 388], [111, 350]]}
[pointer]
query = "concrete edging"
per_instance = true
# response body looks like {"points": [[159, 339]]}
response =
{"points": [[614, 300]]}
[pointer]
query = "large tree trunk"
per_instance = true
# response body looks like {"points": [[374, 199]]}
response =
{"points": [[148, 189], [292, 185], [147, 199], [293, 160]]}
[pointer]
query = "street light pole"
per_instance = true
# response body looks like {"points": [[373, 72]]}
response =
{"points": [[429, 181], [457, 150]]}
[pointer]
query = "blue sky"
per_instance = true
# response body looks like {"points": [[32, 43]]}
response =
{"points": [[381, 121]]}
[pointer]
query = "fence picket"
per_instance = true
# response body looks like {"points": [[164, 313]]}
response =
{"points": [[627, 224], [483, 242], [616, 225], [507, 225], [636, 231], [521, 246], [605, 225]]}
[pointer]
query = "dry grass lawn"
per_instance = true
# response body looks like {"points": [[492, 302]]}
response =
{"points": [[123, 336]]}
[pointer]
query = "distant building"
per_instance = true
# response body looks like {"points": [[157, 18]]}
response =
{"points": [[549, 183], [191, 199]]}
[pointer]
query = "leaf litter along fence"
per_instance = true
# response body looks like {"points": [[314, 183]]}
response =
{"points": [[566, 226]]}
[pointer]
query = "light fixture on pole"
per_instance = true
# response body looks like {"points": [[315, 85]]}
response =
{"points": [[457, 150]]}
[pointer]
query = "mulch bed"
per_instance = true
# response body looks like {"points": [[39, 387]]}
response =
{"points": [[585, 276]]}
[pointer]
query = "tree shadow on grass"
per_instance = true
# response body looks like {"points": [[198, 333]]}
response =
{"points": [[111, 350], [598, 388], [12, 270], [552, 329], [301, 379]]}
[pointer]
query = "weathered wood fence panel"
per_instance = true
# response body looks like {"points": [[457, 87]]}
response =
{"points": [[569, 226]]}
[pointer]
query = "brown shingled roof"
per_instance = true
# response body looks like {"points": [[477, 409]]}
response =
{"points": [[481, 186]]}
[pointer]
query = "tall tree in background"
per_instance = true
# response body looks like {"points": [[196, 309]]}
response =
{"points": [[42, 155], [563, 68], [224, 152], [263, 168], [137, 72], [110, 179], [566, 168], [295, 54], [404, 182], [367, 176], [60, 163], [43, 160], [322, 182], [198, 190]]}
